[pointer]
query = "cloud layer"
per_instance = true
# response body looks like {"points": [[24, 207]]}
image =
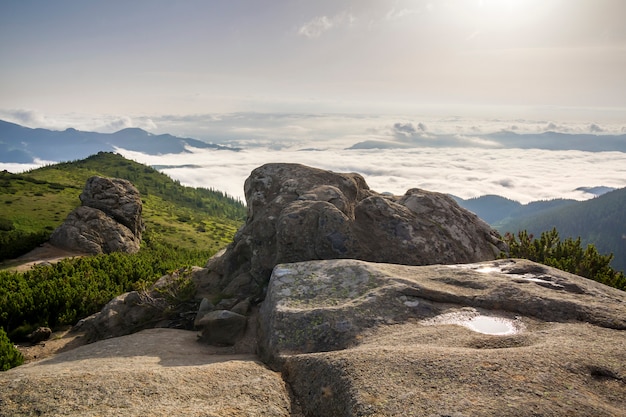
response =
{"points": [[464, 156], [522, 175]]}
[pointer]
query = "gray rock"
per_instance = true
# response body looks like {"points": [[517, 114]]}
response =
{"points": [[39, 335], [123, 315], [116, 197], [108, 221], [298, 213], [242, 307], [89, 230], [156, 373], [203, 309], [506, 337], [222, 327]]}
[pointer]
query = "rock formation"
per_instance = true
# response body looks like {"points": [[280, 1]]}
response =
{"points": [[109, 219], [299, 213], [352, 338], [509, 337]]}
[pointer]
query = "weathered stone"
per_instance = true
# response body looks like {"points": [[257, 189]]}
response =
{"points": [[91, 231], [116, 197], [39, 335], [155, 372], [125, 314], [222, 327], [108, 221], [205, 307], [242, 307], [298, 213], [507, 337]]}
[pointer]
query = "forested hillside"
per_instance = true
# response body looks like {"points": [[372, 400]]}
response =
{"points": [[34, 203], [600, 221], [497, 210]]}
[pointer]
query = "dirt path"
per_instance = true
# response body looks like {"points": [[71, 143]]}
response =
{"points": [[45, 253]]}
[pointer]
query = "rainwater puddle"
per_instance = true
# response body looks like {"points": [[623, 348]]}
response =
{"points": [[490, 325], [477, 322]]}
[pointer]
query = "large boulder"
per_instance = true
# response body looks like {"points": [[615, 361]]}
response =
{"points": [[507, 337], [298, 213], [109, 219]]}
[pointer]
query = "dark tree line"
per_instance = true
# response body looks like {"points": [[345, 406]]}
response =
{"points": [[568, 255]]}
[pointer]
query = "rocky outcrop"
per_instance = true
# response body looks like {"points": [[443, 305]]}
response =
{"points": [[509, 337], [109, 219], [353, 338], [299, 213], [156, 372], [116, 197]]}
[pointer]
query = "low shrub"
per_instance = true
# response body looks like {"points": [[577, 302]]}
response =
{"points": [[10, 357]]}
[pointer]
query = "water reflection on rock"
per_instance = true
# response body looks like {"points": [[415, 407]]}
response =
{"points": [[481, 323]]}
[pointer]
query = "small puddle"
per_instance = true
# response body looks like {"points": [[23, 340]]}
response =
{"points": [[491, 325], [477, 322]]}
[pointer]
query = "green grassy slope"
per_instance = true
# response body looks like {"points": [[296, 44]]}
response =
{"points": [[39, 200]]}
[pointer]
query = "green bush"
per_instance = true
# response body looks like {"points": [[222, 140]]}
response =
{"points": [[567, 255], [6, 225], [14, 243], [10, 357], [65, 292]]}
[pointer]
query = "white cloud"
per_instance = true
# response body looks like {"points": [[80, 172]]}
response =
{"points": [[520, 174], [394, 13], [318, 25]]}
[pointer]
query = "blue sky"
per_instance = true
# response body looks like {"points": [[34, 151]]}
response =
{"points": [[152, 57]]}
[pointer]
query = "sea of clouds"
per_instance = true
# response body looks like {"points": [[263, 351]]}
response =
{"points": [[523, 175], [449, 154]]}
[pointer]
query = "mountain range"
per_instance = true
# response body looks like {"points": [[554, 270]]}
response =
{"points": [[600, 221], [554, 141], [21, 144]]}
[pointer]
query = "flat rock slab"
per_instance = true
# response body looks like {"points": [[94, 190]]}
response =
{"points": [[157, 372], [554, 370], [356, 339]]}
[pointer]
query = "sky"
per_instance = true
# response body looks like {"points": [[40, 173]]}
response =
{"points": [[287, 75], [157, 57]]}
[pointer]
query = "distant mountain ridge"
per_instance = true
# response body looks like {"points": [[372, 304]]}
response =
{"points": [[21, 144], [600, 221], [554, 141]]}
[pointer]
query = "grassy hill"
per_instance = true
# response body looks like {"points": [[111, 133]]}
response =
{"points": [[39, 200]]}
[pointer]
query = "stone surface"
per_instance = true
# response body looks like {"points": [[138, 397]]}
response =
{"points": [[89, 230], [156, 372], [40, 334], [109, 219], [222, 327], [355, 338], [116, 197], [299, 213], [127, 313]]}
